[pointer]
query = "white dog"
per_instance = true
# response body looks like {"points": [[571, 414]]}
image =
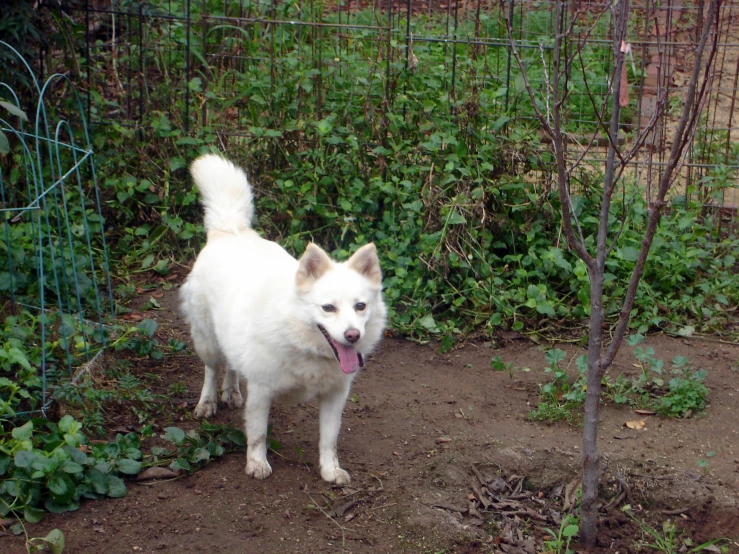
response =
{"points": [[294, 329]]}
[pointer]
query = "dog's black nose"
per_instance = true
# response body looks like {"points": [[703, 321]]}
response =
{"points": [[352, 335]]}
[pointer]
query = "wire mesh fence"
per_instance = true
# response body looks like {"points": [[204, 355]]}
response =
{"points": [[54, 278], [279, 80], [247, 68]]}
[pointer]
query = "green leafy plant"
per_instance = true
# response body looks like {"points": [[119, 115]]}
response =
{"points": [[94, 400], [21, 355], [330, 164], [141, 340], [53, 542], [560, 399], [178, 389], [668, 540], [51, 467], [497, 364], [684, 395], [703, 463], [196, 447], [559, 541], [48, 466]]}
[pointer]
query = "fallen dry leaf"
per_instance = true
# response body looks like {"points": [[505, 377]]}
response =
{"points": [[132, 317], [636, 424], [156, 473], [645, 412], [443, 439]]}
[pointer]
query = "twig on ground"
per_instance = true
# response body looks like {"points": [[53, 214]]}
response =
{"points": [[570, 496], [382, 487], [616, 502], [676, 511], [655, 477], [479, 476], [481, 497], [526, 512], [339, 525], [381, 507], [625, 487], [339, 511], [449, 508]]}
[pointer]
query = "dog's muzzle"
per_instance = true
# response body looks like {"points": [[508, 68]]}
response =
{"points": [[349, 359]]}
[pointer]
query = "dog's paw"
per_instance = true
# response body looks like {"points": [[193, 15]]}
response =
{"points": [[335, 475], [232, 398], [259, 469], [205, 409]]}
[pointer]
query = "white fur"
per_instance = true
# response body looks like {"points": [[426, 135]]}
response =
{"points": [[254, 311]]}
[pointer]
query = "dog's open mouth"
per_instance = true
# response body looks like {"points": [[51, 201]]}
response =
{"points": [[349, 359]]}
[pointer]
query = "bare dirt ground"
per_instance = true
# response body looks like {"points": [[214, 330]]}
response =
{"points": [[427, 435]]}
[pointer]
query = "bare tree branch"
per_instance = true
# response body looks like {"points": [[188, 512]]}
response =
{"points": [[691, 112], [554, 131]]}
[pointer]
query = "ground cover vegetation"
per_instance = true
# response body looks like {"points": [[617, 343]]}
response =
{"points": [[675, 391], [439, 163], [457, 194]]}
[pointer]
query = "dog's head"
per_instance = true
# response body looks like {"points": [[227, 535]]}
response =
{"points": [[344, 301]]}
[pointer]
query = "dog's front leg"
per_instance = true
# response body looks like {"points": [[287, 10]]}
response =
{"points": [[258, 401], [331, 406]]}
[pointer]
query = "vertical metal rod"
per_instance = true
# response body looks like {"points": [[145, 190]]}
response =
{"points": [[6, 227], [187, 68], [388, 52], [561, 26], [204, 47], [407, 32], [407, 51], [508, 61], [142, 71], [454, 49], [88, 97], [731, 110], [129, 69]]}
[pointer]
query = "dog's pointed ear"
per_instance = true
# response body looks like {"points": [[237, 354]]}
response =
{"points": [[365, 262], [312, 265]]}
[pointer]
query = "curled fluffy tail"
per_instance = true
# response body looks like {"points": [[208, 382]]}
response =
{"points": [[225, 192]]}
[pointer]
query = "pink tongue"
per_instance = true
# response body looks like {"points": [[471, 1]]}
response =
{"points": [[348, 358]]}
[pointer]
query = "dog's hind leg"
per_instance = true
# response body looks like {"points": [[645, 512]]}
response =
{"points": [[231, 395], [331, 406], [208, 351], [258, 402]]}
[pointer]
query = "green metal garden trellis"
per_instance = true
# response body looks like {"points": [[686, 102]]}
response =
{"points": [[56, 263]]}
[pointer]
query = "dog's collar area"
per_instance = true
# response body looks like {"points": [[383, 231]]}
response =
{"points": [[332, 343]]}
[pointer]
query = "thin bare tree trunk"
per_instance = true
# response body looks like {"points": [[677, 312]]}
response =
{"points": [[598, 359], [591, 455]]}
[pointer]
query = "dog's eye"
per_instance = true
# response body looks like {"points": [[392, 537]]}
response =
{"points": [[328, 308], [360, 306]]}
